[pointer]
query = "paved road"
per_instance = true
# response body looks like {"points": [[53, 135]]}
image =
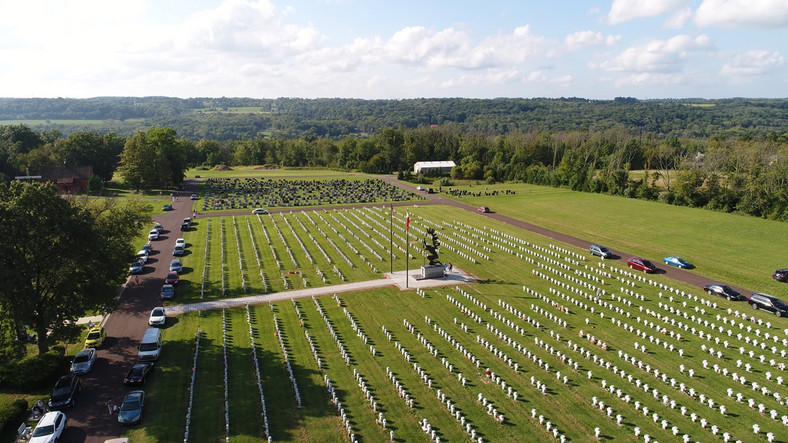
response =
{"points": [[89, 421]]}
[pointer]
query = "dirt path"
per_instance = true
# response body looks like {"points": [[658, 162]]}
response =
{"points": [[89, 421]]}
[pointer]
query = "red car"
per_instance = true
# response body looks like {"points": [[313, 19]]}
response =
{"points": [[641, 264], [483, 209], [172, 278]]}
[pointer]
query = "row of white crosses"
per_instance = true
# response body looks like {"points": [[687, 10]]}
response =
{"points": [[287, 361], [240, 255], [298, 239], [342, 352], [284, 242], [257, 254], [567, 252], [205, 258], [191, 387], [359, 333], [320, 248], [331, 242], [573, 279], [382, 214], [221, 247], [364, 222], [363, 231], [258, 374], [271, 245], [442, 398], [226, 380]]}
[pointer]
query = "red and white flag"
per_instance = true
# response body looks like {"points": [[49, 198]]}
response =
{"points": [[407, 223]]}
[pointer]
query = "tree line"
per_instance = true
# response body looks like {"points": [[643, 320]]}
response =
{"points": [[746, 174]]}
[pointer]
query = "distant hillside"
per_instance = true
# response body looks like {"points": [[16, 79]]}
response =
{"points": [[246, 118]]}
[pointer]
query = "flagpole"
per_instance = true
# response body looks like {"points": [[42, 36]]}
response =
{"points": [[391, 242]]}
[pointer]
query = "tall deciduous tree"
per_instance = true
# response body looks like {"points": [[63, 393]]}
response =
{"points": [[155, 158], [61, 258]]}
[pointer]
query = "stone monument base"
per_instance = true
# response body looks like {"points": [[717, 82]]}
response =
{"points": [[432, 271]]}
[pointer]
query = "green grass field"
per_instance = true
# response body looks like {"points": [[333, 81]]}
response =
{"points": [[259, 171], [619, 321], [735, 249]]}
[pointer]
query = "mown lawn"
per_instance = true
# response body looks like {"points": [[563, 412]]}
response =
{"points": [[735, 249], [568, 406]]}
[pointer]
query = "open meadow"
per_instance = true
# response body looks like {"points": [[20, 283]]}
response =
{"points": [[549, 345]]}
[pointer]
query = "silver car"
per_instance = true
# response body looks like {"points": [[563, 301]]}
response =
{"points": [[83, 361]]}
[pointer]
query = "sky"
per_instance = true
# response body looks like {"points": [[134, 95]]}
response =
{"points": [[386, 49]]}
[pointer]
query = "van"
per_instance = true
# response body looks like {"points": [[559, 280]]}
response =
{"points": [[150, 347]]}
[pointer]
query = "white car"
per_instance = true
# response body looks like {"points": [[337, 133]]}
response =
{"points": [[259, 211], [153, 234], [158, 317], [49, 428], [143, 254], [83, 361], [180, 242], [419, 188]]}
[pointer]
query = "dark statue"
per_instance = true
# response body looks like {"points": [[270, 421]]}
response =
{"points": [[432, 250]]}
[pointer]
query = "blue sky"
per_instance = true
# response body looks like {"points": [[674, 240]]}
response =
{"points": [[394, 49]]}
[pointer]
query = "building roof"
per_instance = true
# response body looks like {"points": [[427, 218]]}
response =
{"points": [[436, 164], [65, 172]]}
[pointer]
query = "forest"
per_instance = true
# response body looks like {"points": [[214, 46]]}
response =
{"points": [[225, 119]]}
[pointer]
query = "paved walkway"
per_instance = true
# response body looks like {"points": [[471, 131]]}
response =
{"points": [[398, 279]]}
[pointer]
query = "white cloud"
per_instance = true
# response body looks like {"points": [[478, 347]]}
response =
{"points": [[657, 56], [625, 10], [754, 62], [743, 13], [678, 19], [584, 39]]}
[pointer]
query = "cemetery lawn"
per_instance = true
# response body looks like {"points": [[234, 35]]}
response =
{"points": [[735, 249], [503, 277]]}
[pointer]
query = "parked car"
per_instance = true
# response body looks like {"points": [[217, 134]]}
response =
{"points": [[483, 209], [138, 374], [172, 278], [419, 188], [194, 197], [131, 409], [781, 275], [143, 254], [153, 235], [158, 316], [641, 264], [769, 303], [95, 337], [176, 265], [147, 248], [49, 428], [137, 266], [83, 361], [158, 227], [723, 291], [186, 224], [600, 251], [259, 211], [64, 394], [180, 242], [677, 262], [166, 208], [167, 292], [177, 251]]}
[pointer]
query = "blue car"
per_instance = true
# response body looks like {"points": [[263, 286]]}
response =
{"points": [[677, 262], [131, 409]]}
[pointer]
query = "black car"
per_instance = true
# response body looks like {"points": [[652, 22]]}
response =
{"points": [[64, 394], [768, 303], [138, 374], [781, 275], [723, 291]]}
